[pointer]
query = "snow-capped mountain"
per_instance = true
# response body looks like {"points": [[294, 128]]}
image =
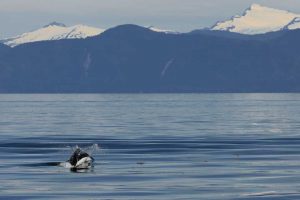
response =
{"points": [[54, 31], [155, 29], [260, 19], [295, 24]]}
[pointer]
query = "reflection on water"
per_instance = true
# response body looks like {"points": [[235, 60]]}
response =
{"points": [[154, 146]]}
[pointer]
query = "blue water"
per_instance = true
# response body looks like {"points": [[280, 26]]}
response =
{"points": [[152, 146]]}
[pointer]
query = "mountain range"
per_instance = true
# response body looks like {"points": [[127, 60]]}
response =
{"points": [[59, 31], [257, 19], [131, 58]]}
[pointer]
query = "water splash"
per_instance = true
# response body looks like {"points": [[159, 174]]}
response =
{"points": [[92, 149]]}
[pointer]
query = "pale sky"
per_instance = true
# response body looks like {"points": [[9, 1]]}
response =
{"points": [[18, 16]]}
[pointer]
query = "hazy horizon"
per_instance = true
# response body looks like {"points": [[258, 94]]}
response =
{"points": [[19, 16]]}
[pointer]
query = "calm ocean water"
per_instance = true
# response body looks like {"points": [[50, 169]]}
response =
{"points": [[152, 146]]}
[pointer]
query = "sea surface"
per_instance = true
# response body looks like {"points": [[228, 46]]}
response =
{"points": [[151, 146]]}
